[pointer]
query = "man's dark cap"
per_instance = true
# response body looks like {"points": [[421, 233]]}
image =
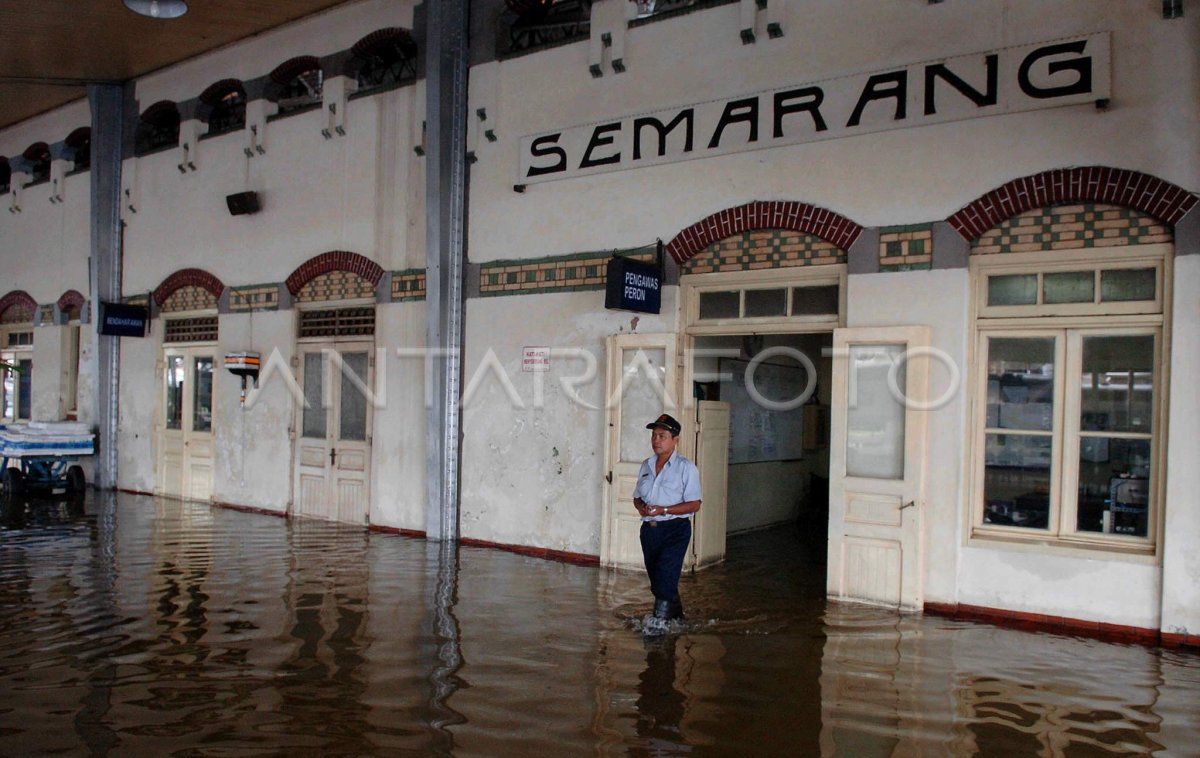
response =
{"points": [[666, 422]]}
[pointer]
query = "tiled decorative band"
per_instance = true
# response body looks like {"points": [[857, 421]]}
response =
{"points": [[1067, 227]]}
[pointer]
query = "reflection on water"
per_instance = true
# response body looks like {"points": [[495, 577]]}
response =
{"points": [[139, 626]]}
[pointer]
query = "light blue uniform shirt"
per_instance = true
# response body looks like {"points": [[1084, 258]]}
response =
{"points": [[678, 482]]}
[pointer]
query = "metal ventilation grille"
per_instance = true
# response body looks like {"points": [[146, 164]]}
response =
{"points": [[199, 329], [338, 322]]}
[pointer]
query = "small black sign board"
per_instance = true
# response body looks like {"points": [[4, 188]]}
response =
{"points": [[122, 320], [633, 286]]}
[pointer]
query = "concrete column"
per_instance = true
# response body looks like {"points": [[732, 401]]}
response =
{"points": [[446, 54], [109, 106]]}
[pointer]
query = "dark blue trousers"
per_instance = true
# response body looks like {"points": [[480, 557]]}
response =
{"points": [[664, 543]]}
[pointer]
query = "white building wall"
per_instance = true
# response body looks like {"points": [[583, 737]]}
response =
{"points": [[48, 373], [1181, 541], [320, 34], [897, 177], [533, 476], [530, 475], [252, 448], [887, 300], [398, 442], [139, 401], [360, 192], [904, 176]]}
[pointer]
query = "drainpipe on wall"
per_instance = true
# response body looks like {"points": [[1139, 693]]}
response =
{"points": [[446, 56], [108, 104]]}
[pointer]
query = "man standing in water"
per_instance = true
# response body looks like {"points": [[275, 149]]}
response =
{"points": [[667, 494]]}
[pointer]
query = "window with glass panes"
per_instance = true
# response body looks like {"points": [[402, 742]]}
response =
{"points": [[1067, 434]]}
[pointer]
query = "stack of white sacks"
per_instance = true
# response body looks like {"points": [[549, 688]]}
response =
{"points": [[45, 438]]}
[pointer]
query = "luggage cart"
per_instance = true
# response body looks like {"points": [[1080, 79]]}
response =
{"points": [[51, 474], [45, 463]]}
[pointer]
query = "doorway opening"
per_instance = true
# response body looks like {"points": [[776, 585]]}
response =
{"points": [[778, 390]]}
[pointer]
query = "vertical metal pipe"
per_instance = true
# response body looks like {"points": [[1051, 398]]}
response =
{"points": [[108, 130], [445, 212]]}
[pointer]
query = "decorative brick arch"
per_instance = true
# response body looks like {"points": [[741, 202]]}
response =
{"points": [[217, 90], [769, 214], [334, 260], [71, 299], [18, 298], [1150, 195], [188, 277]]}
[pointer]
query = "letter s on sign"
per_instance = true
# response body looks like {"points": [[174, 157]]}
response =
{"points": [[544, 146], [1081, 65]]}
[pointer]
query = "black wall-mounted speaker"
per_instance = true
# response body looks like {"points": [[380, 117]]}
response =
{"points": [[241, 203]]}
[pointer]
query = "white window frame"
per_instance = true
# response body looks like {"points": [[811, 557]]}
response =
{"points": [[692, 286], [1069, 324]]}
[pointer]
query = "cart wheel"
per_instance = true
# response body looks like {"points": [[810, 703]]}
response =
{"points": [[12, 482], [76, 481]]}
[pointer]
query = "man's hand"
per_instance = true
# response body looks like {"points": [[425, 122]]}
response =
{"points": [[641, 506]]}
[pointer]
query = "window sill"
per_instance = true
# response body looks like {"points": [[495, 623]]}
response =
{"points": [[1082, 548], [293, 112], [143, 152], [379, 89], [220, 132]]}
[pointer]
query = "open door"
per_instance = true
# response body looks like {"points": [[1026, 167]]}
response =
{"points": [[877, 463], [640, 386], [712, 458]]}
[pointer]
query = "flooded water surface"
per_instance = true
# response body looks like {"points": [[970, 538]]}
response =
{"points": [[138, 626]]}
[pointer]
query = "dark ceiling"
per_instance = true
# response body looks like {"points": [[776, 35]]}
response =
{"points": [[51, 49]]}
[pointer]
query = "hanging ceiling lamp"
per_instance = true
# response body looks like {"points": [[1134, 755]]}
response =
{"points": [[158, 8]]}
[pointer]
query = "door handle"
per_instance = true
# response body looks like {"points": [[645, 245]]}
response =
{"points": [[608, 477], [909, 504], [332, 456]]}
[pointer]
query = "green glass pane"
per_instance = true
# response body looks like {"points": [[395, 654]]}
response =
{"points": [[1069, 287], [720, 304], [202, 394], [1125, 284], [352, 424], [313, 425], [766, 302], [812, 301], [175, 381], [1012, 289]]}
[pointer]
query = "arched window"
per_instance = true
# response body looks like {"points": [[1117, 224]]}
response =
{"points": [[225, 102], [5, 175], [158, 127], [531, 24], [296, 84], [38, 155], [383, 58], [80, 141]]}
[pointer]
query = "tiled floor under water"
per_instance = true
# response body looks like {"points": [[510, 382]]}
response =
{"points": [[138, 626]]}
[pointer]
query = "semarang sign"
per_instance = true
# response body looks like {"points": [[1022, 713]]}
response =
{"points": [[1049, 74]]}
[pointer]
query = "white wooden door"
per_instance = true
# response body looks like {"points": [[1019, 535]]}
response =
{"points": [[640, 386], [185, 433], [877, 463], [712, 457], [333, 442]]}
